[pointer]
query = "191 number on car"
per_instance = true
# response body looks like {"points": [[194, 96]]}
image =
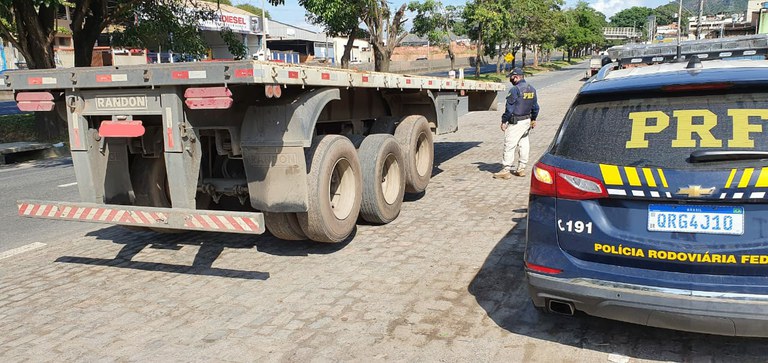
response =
{"points": [[574, 226]]}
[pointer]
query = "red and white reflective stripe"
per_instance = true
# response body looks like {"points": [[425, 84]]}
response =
{"points": [[106, 78], [212, 222], [244, 73], [107, 215], [189, 74], [41, 80]]}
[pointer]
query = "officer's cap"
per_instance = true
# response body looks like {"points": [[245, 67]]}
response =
{"points": [[516, 72]]}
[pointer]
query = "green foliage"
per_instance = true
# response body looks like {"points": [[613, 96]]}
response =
{"points": [[167, 24], [253, 10], [337, 17], [15, 128], [434, 20], [635, 16], [234, 44], [582, 27]]}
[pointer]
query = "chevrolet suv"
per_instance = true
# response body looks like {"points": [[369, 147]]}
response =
{"points": [[651, 204]]}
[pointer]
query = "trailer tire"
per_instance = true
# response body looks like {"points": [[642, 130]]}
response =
{"points": [[382, 163], [356, 140], [415, 138], [284, 226], [150, 187], [334, 187]]}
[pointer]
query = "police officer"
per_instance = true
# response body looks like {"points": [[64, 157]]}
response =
{"points": [[518, 119]]}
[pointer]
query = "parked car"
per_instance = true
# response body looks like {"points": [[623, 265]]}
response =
{"points": [[650, 205]]}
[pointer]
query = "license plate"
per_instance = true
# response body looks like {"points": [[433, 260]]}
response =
{"points": [[696, 219]]}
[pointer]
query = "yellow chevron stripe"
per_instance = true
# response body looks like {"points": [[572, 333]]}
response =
{"points": [[663, 179], [632, 177], [762, 179], [730, 178], [744, 182], [611, 175], [649, 177]]}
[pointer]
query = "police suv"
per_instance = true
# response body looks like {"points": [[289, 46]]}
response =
{"points": [[651, 204]]}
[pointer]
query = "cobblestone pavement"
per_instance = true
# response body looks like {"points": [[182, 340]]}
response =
{"points": [[444, 282]]}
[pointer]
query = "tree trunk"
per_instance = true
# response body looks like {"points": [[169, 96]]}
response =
{"points": [[50, 127], [86, 26], [451, 55], [522, 49], [479, 51], [348, 49], [35, 30], [535, 56], [380, 58]]}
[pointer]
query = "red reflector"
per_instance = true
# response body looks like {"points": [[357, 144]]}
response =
{"points": [[365, 78], [430, 83], [207, 92], [325, 76], [293, 74], [697, 87], [407, 81], [121, 128], [209, 103], [180, 74], [35, 101], [34, 80], [103, 78], [244, 73], [542, 269]]}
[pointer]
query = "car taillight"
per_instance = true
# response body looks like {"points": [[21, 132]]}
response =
{"points": [[542, 269], [554, 182]]}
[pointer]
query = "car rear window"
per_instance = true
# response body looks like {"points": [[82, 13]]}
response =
{"points": [[663, 131]]}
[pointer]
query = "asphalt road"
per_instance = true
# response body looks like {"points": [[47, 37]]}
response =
{"points": [[52, 179]]}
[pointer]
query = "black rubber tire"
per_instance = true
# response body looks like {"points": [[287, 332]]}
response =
{"points": [[383, 125], [382, 162], [334, 186], [415, 138], [284, 226], [149, 182]]}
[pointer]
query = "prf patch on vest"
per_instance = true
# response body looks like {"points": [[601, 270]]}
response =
{"points": [[528, 95]]}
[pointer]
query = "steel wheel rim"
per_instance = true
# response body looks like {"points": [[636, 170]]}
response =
{"points": [[390, 179], [422, 155], [341, 189]]}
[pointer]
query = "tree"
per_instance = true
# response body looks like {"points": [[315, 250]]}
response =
{"points": [[90, 18], [532, 23], [225, 2], [488, 24], [382, 23], [436, 22], [172, 25], [632, 17], [30, 25], [253, 10], [339, 18], [582, 27]]}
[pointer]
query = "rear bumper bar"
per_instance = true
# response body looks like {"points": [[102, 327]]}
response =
{"points": [[687, 310], [170, 218]]}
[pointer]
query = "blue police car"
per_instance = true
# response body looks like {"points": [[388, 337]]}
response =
{"points": [[651, 204]]}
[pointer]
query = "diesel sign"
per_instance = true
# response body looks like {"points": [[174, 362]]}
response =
{"points": [[121, 102]]}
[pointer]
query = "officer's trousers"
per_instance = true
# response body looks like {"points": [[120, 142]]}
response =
{"points": [[516, 136]]}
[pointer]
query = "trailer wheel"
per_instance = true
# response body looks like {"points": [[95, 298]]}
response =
{"points": [[150, 182], [356, 139], [334, 189], [381, 160], [415, 138], [284, 226]]}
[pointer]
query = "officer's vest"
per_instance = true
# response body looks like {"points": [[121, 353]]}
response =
{"points": [[525, 102]]}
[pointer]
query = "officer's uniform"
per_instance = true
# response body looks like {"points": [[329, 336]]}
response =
{"points": [[522, 107]]}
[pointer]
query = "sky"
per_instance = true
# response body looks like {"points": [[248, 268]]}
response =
{"points": [[293, 14]]}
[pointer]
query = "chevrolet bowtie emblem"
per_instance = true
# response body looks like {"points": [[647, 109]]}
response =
{"points": [[694, 191]]}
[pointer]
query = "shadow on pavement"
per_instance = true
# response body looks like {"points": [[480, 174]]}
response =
{"points": [[211, 245], [501, 289]]}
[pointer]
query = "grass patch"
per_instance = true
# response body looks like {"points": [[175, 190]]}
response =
{"points": [[489, 77], [542, 67], [15, 128]]}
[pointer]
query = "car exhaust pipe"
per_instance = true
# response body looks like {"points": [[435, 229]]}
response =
{"points": [[561, 307]]}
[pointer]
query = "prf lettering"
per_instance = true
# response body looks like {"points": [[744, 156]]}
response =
{"points": [[528, 95], [654, 122]]}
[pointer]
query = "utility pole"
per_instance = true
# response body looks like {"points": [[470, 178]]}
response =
{"points": [[679, 29], [263, 31], [698, 20]]}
